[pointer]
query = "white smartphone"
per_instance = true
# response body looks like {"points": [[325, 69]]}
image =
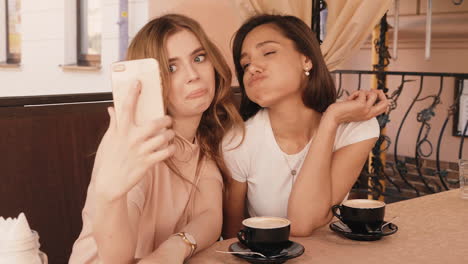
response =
{"points": [[124, 75]]}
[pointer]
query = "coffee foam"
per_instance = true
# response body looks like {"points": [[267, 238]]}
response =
{"points": [[363, 203], [266, 222]]}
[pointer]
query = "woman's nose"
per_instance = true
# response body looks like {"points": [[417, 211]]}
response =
{"points": [[254, 68], [192, 74]]}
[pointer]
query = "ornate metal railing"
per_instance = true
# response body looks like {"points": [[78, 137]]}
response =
{"points": [[377, 175], [372, 180]]}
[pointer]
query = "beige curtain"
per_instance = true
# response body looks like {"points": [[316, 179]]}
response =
{"points": [[349, 22]]}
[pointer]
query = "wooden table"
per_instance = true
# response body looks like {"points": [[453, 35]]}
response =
{"points": [[431, 229]]}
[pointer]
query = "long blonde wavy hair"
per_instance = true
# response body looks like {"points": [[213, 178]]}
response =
{"points": [[221, 115]]}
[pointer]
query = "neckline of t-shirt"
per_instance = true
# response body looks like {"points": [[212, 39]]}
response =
{"points": [[275, 143]]}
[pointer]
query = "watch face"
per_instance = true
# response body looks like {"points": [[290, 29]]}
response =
{"points": [[190, 238]]}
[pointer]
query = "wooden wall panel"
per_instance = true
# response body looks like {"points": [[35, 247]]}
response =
{"points": [[46, 159]]}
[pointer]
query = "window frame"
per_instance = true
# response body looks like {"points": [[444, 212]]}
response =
{"points": [[84, 59], [11, 58]]}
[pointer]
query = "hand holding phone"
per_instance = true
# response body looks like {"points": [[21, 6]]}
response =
{"points": [[138, 136], [125, 76]]}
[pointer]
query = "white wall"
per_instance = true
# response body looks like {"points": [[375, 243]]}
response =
{"points": [[219, 18], [46, 45]]}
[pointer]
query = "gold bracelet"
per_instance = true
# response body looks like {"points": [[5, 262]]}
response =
{"points": [[189, 240]]}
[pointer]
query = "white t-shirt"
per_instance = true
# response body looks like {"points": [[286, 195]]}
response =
{"points": [[261, 163]]}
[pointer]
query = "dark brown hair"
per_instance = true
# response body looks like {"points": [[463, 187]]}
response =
{"points": [[221, 115], [319, 92]]}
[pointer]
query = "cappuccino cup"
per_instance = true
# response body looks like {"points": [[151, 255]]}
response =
{"points": [[361, 215], [266, 235]]}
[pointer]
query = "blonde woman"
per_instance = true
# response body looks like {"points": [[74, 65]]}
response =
{"points": [[156, 191]]}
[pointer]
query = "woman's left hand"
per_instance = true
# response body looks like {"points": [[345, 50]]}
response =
{"points": [[359, 106]]}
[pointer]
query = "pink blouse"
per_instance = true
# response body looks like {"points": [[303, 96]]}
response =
{"points": [[163, 200]]}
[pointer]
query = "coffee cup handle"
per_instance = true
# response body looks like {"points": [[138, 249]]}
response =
{"points": [[334, 208], [241, 235]]}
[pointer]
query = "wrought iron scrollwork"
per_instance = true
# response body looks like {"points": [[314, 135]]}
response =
{"points": [[424, 146], [401, 165], [384, 55], [424, 116], [377, 166], [450, 112]]}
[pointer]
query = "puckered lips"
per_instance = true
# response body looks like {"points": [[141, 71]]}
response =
{"points": [[255, 80]]}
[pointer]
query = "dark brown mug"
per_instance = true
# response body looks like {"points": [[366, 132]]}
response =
{"points": [[361, 215], [266, 235]]}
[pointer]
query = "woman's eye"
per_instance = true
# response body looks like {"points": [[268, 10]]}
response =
{"points": [[245, 66], [200, 58], [270, 52], [172, 68]]}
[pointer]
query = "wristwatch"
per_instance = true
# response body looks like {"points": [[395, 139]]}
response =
{"points": [[189, 240]]}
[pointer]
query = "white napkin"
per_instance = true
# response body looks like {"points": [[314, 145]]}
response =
{"points": [[14, 228]]}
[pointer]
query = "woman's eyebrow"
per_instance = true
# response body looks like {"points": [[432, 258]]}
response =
{"points": [[195, 51], [259, 45], [263, 43]]}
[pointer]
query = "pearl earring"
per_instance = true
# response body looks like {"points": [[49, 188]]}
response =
{"points": [[306, 71]]}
